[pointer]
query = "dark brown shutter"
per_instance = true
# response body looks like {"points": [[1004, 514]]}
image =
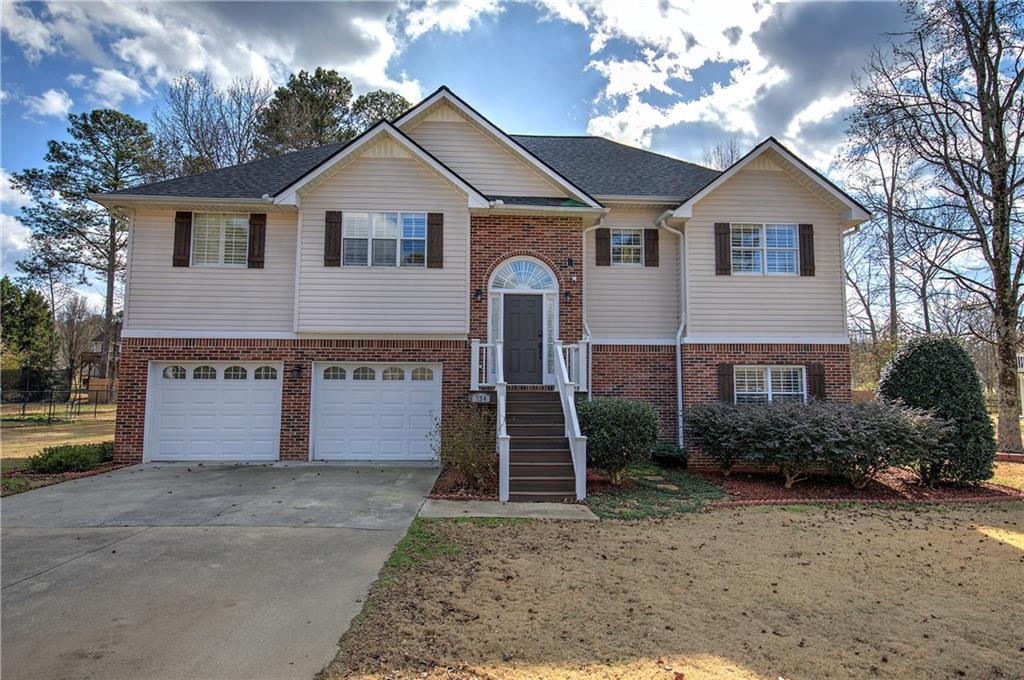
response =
{"points": [[806, 250], [725, 383], [435, 240], [723, 256], [603, 241], [182, 239], [332, 238], [816, 381], [257, 239], [650, 247]]}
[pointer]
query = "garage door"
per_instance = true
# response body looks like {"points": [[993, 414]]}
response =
{"points": [[375, 411], [214, 411]]}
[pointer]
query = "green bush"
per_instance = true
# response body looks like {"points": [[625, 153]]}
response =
{"points": [[619, 432], [935, 374], [71, 458], [465, 443], [721, 430], [792, 436], [668, 454]]}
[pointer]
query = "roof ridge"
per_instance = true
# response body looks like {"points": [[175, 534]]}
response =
{"points": [[628, 146]]}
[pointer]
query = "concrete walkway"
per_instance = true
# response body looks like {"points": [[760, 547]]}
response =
{"points": [[438, 509], [189, 571]]}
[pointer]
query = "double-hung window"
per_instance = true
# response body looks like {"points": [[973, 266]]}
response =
{"points": [[384, 239], [627, 246], [764, 249], [220, 239], [761, 384]]}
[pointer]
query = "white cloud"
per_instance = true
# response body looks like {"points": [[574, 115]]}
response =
{"points": [[14, 242], [443, 15], [77, 79], [33, 36], [111, 87], [9, 195], [52, 103]]}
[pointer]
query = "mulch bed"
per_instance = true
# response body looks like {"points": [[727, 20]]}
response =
{"points": [[449, 487], [64, 476], [893, 487]]}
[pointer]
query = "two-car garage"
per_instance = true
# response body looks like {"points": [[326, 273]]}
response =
{"points": [[231, 411]]}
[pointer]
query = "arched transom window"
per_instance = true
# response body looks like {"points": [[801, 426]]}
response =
{"points": [[523, 275]]}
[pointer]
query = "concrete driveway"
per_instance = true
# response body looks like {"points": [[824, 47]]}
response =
{"points": [[189, 571]]}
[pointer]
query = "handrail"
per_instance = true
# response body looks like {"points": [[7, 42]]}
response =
{"points": [[502, 435], [481, 363], [576, 363], [577, 442]]}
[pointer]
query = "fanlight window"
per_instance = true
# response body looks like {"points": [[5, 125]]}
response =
{"points": [[235, 373], [523, 275], [204, 373], [174, 373], [393, 373], [363, 373], [422, 374], [334, 373], [266, 373]]}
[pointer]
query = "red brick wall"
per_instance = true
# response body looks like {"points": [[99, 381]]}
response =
{"points": [[646, 372], [550, 239], [138, 352]]}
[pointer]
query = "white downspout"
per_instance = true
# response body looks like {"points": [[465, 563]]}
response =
{"points": [[680, 332], [586, 326]]}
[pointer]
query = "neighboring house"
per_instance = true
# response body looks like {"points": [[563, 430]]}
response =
{"points": [[331, 304]]}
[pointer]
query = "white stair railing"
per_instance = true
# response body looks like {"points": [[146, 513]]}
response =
{"points": [[503, 438], [576, 363], [577, 442], [481, 364]]}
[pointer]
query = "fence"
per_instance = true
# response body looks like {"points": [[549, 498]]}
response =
{"points": [[51, 405]]}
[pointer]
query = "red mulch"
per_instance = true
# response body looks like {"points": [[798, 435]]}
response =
{"points": [[65, 476], [892, 486], [1008, 457], [449, 487]]}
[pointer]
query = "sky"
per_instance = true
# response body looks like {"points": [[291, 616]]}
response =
{"points": [[667, 75]]}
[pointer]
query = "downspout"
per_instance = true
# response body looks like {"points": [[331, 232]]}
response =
{"points": [[680, 332], [586, 327]]}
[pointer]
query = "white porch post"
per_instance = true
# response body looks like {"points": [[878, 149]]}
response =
{"points": [[474, 365]]}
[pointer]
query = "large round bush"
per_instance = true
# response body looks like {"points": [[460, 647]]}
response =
{"points": [[935, 373], [619, 432]]}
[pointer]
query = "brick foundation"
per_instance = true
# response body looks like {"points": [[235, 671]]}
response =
{"points": [[294, 445], [646, 372]]}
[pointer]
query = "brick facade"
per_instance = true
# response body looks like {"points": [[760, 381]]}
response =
{"points": [[646, 372], [294, 445]]}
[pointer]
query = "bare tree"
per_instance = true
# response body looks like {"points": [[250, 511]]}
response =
{"points": [[922, 255], [950, 92], [76, 327], [722, 154]]}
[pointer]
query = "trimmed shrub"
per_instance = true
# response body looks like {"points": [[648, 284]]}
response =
{"points": [[793, 436], [71, 458], [721, 432], [668, 454], [935, 374], [619, 432], [465, 442]]}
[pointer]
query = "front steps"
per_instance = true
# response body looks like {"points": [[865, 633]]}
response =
{"points": [[540, 464]]}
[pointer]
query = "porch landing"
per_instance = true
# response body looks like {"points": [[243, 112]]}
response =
{"points": [[441, 509]]}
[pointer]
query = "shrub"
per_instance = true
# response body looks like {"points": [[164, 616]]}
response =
{"points": [[721, 432], [668, 454], [619, 432], [936, 374], [793, 436], [465, 442], [71, 458]]}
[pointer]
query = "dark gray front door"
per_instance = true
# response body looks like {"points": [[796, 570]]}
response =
{"points": [[524, 339]]}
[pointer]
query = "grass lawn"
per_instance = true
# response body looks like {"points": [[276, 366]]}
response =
{"points": [[652, 491], [767, 592], [26, 437], [1009, 474]]}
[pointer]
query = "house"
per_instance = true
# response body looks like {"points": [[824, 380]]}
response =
{"points": [[331, 304]]}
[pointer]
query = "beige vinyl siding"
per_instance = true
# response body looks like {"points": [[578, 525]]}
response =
{"points": [[374, 300], [208, 298], [479, 160], [756, 306], [634, 302]]}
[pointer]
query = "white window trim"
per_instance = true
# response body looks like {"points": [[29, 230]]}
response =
{"points": [[768, 379], [398, 241], [611, 236], [220, 263], [549, 309], [764, 249]]}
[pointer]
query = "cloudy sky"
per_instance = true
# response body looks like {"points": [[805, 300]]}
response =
{"points": [[669, 75]]}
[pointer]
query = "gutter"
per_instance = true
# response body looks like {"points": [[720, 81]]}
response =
{"points": [[501, 205]]}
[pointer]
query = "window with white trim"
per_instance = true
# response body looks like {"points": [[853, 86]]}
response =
{"points": [[393, 373], [384, 239], [771, 249], [235, 373], [422, 374], [334, 373], [627, 246], [220, 239], [762, 384], [204, 373], [266, 373], [174, 373]]}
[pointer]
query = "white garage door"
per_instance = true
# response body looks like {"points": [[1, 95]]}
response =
{"points": [[214, 411], [375, 411]]}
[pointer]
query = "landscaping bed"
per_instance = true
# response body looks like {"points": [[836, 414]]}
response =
{"points": [[450, 486], [17, 480], [56, 464]]}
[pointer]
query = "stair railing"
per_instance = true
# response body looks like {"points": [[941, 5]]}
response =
{"points": [[481, 364], [503, 438], [577, 442]]}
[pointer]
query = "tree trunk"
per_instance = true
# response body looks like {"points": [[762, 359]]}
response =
{"points": [[1006, 376], [108, 302], [925, 311], [890, 246]]}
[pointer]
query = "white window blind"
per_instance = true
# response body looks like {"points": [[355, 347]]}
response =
{"points": [[220, 239]]}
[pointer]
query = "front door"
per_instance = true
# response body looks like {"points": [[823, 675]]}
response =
{"points": [[524, 339]]}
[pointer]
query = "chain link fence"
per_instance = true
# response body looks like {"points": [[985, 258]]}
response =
{"points": [[57, 405]]}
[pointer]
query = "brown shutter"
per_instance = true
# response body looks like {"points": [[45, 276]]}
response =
{"points": [[332, 238], [723, 256], [257, 239], [725, 383], [816, 381], [182, 239], [650, 247], [603, 241], [806, 250], [435, 240]]}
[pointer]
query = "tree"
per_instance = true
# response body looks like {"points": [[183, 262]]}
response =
{"points": [[723, 154], [10, 317], [44, 269], [108, 151], [311, 110], [949, 92], [27, 332], [372, 107], [76, 327]]}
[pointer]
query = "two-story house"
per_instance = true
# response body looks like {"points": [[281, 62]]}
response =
{"points": [[335, 303]]}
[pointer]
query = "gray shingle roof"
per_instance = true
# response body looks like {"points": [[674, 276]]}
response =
{"points": [[555, 201]]}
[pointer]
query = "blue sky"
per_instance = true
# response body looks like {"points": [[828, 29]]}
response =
{"points": [[667, 75]]}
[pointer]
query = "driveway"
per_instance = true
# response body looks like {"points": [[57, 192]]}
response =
{"points": [[193, 571]]}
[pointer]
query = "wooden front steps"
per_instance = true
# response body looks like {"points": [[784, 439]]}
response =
{"points": [[540, 464]]}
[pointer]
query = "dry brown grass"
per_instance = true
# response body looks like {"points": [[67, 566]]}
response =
{"points": [[24, 439], [749, 593], [1009, 474]]}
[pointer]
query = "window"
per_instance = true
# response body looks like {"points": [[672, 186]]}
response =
{"points": [[422, 374], [204, 373], [393, 373], [384, 239], [334, 373], [764, 249], [266, 373], [761, 384], [364, 373], [220, 239], [235, 373], [627, 246], [174, 373]]}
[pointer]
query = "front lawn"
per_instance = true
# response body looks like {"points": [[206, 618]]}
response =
{"points": [[763, 592], [651, 491], [55, 464], [27, 436]]}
